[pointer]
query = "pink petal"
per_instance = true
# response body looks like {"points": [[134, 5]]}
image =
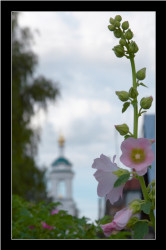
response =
{"points": [[106, 181], [114, 158], [121, 217], [115, 194], [104, 163], [126, 160], [149, 157], [142, 171], [108, 228], [47, 226], [143, 143], [128, 144], [55, 211]]}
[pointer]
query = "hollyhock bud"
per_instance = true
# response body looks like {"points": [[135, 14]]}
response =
{"points": [[133, 48], [106, 178], [118, 18], [119, 50], [123, 129], [135, 206], [141, 74], [111, 20], [146, 102], [129, 34], [117, 33], [137, 154], [125, 25], [111, 27], [117, 24], [123, 95], [122, 42], [120, 220], [133, 93]]}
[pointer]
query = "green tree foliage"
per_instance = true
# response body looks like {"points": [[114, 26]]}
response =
{"points": [[27, 92], [27, 219]]}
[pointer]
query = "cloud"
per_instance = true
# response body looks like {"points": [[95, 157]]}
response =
{"points": [[84, 35]]}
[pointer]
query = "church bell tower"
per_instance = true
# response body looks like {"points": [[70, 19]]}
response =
{"points": [[60, 181]]}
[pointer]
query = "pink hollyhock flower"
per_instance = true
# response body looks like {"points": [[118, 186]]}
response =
{"points": [[47, 226], [106, 178], [55, 211], [137, 154], [31, 227], [120, 220]]}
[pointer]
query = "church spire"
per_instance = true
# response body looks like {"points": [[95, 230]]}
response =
{"points": [[61, 142]]}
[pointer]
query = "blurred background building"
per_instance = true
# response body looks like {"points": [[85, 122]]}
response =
{"points": [[59, 181], [149, 132]]}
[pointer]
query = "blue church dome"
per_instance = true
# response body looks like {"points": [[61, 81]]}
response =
{"points": [[61, 160]]}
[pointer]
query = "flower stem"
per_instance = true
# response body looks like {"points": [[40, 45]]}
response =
{"points": [[135, 105], [143, 186], [135, 133]]}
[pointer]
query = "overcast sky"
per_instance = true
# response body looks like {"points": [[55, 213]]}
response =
{"points": [[75, 50]]}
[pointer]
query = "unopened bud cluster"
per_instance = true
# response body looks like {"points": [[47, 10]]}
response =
{"points": [[122, 31]]}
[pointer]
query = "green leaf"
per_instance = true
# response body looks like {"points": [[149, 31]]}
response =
{"points": [[146, 207], [120, 172], [125, 106], [142, 84], [122, 179], [140, 229]]}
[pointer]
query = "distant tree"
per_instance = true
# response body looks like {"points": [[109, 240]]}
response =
{"points": [[27, 91]]}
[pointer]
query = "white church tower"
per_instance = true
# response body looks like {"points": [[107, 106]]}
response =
{"points": [[60, 178]]}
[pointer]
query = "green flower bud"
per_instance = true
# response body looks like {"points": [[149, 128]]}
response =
{"points": [[133, 48], [122, 42], [135, 206], [118, 18], [133, 93], [123, 95], [141, 74], [111, 27], [122, 129], [111, 20], [152, 194], [132, 221], [125, 25], [117, 33], [120, 172], [146, 102], [129, 34], [117, 24], [119, 50]]}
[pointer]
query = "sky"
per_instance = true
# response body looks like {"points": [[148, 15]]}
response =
{"points": [[74, 50]]}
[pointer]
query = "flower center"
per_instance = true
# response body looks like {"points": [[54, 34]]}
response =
{"points": [[137, 155]]}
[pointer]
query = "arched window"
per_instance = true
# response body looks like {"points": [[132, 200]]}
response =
{"points": [[62, 189]]}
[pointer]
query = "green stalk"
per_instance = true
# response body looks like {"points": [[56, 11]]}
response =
{"points": [[135, 105], [135, 133]]}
